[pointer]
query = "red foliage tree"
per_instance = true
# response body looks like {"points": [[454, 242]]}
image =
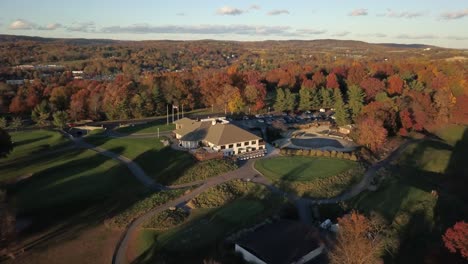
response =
{"points": [[318, 79], [356, 75], [372, 87], [18, 105], [460, 110], [395, 85], [456, 239], [332, 81], [371, 133]]}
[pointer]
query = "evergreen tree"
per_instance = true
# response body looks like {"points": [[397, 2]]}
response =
{"points": [[16, 123], [356, 98], [316, 99], [305, 96], [341, 110], [327, 97], [280, 103], [3, 123], [158, 101], [290, 100], [60, 119]]}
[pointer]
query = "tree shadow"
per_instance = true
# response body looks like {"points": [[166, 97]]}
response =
{"points": [[28, 141]]}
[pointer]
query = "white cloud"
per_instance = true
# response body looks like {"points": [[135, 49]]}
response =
{"points": [[254, 7], [455, 14], [359, 12], [21, 24], [277, 12], [229, 11], [423, 36], [374, 35], [202, 30], [311, 31], [341, 34], [52, 26], [82, 27], [405, 14], [458, 37]]}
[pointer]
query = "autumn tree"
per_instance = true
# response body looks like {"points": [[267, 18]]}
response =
{"points": [[371, 133], [355, 101], [305, 99], [359, 241], [41, 114], [460, 110], [332, 81], [78, 104], [236, 103], [318, 79], [341, 110], [60, 119], [456, 239], [395, 85], [372, 86]]}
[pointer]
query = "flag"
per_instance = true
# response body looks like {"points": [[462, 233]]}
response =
{"points": [[175, 106]]}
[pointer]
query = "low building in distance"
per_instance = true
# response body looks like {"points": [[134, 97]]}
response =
{"points": [[217, 134]]}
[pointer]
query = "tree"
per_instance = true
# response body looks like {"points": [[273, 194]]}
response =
{"points": [[40, 114], [16, 123], [456, 239], [280, 102], [341, 110], [236, 104], [6, 146], [372, 86], [332, 81], [371, 133], [3, 123], [316, 99], [355, 100], [395, 85], [305, 99], [359, 241], [327, 97], [290, 100], [60, 119]]}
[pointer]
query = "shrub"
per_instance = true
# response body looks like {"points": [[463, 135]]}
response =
{"points": [[333, 154], [206, 169], [167, 219]]}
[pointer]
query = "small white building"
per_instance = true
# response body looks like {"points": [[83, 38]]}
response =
{"points": [[218, 134]]}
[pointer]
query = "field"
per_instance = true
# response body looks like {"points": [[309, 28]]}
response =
{"points": [[203, 232], [310, 176], [406, 199], [164, 164], [151, 127]]}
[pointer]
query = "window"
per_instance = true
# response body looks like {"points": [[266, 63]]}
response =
{"points": [[239, 144], [231, 146], [246, 143], [254, 142], [253, 149], [223, 147], [261, 147]]}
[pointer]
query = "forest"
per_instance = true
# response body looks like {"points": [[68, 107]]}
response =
{"points": [[384, 89]]}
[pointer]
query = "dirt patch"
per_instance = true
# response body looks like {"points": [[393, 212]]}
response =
{"points": [[93, 245]]}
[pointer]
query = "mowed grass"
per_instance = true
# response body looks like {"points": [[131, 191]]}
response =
{"points": [[297, 168], [164, 164], [452, 133], [26, 143], [150, 127]]}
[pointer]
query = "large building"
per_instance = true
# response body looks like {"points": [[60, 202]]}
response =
{"points": [[217, 134]]}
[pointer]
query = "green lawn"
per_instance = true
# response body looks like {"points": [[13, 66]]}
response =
{"points": [[311, 176], [299, 168], [162, 163], [27, 143], [151, 127]]}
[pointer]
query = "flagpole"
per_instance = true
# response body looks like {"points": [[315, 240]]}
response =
{"points": [[172, 113], [167, 113]]}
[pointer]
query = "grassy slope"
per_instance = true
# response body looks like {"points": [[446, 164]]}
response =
{"points": [[163, 163], [299, 168], [405, 198], [34, 142], [151, 127]]}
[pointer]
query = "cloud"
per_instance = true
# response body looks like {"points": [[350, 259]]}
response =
{"points": [[454, 15], [405, 14], [181, 14], [341, 34], [82, 27], [21, 24], [359, 12], [374, 35], [201, 29], [254, 7], [229, 11], [277, 12], [423, 36], [311, 31], [52, 26], [458, 37]]}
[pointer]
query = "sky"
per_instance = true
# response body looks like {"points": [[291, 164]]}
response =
{"points": [[435, 22]]}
